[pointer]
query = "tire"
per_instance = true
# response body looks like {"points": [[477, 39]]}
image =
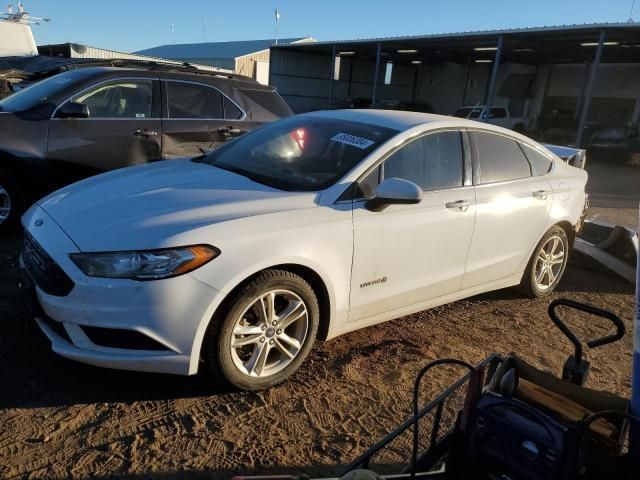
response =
{"points": [[244, 366], [534, 282], [11, 202]]}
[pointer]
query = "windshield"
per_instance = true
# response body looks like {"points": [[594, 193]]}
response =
{"points": [[468, 112], [301, 153], [37, 93]]}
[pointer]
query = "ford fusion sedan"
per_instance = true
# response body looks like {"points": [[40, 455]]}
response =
{"points": [[302, 230]]}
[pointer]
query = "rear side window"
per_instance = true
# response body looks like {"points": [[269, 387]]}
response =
{"points": [[190, 100], [266, 101], [499, 159], [433, 162], [540, 163], [231, 112]]}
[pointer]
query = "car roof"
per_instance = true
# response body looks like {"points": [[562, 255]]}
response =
{"points": [[395, 119], [401, 121], [202, 76]]}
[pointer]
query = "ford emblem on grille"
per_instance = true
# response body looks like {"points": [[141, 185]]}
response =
{"points": [[38, 222]]}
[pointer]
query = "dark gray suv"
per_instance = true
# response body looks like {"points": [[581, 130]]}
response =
{"points": [[89, 120]]}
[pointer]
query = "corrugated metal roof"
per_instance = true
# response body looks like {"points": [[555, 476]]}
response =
{"points": [[217, 50], [472, 33]]}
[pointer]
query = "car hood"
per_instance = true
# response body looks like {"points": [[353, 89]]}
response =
{"points": [[144, 207]]}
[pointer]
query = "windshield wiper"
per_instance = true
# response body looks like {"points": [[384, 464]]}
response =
{"points": [[256, 177]]}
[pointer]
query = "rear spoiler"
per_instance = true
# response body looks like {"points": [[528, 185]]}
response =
{"points": [[575, 157]]}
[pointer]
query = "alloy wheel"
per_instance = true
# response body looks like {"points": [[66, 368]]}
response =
{"points": [[549, 262], [269, 333], [5, 204]]}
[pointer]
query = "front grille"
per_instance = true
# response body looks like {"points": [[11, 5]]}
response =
{"points": [[120, 338], [49, 277]]}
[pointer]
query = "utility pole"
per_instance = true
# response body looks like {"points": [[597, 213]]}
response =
{"points": [[277, 12]]}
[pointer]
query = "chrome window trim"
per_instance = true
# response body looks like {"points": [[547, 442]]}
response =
{"points": [[97, 84], [166, 91]]}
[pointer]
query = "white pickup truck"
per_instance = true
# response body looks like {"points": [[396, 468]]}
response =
{"points": [[499, 116]]}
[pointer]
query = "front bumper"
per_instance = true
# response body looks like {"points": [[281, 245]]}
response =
{"points": [[170, 313]]}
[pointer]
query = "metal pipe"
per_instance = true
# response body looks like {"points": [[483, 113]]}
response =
{"points": [[467, 70], [332, 69], [589, 92], [494, 75], [375, 75], [416, 79]]}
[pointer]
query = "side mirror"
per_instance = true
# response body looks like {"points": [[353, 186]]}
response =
{"points": [[394, 191], [73, 110]]}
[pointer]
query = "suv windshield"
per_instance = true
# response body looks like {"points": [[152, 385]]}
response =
{"points": [[37, 93], [303, 153]]}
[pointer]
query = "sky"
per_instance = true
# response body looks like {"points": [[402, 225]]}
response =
{"points": [[138, 24]]}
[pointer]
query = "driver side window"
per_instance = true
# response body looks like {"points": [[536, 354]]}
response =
{"points": [[434, 161], [118, 99]]}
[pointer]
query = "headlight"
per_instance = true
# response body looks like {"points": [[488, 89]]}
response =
{"points": [[145, 265]]}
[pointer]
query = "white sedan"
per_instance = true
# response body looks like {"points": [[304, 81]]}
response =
{"points": [[308, 228]]}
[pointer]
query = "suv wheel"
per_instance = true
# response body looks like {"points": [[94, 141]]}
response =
{"points": [[265, 333], [11, 202]]}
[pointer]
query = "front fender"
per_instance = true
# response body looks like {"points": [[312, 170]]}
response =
{"points": [[248, 273]]}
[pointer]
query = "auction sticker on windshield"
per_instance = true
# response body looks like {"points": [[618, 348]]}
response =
{"points": [[352, 140]]}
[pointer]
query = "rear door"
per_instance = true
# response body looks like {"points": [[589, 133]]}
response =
{"points": [[513, 205], [123, 128], [196, 118]]}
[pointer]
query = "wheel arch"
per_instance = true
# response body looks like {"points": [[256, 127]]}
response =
{"points": [[568, 229], [309, 274]]}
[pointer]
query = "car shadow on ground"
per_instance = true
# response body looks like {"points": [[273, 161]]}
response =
{"points": [[576, 278]]}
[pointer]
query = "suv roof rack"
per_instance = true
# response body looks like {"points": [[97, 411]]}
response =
{"points": [[184, 67]]}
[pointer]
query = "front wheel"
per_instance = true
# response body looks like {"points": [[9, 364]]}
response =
{"points": [[11, 202], [265, 333], [547, 264]]}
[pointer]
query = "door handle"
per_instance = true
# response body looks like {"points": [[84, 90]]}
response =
{"points": [[143, 133], [460, 205], [540, 194]]}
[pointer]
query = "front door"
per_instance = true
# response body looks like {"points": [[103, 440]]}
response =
{"points": [[408, 254], [512, 209], [122, 129], [197, 118]]}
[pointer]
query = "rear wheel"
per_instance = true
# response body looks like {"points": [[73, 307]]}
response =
{"points": [[547, 264], [265, 333], [11, 202]]}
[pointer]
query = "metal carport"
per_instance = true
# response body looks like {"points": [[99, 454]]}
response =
{"points": [[470, 67]]}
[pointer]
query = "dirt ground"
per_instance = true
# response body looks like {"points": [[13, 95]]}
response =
{"points": [[61, 419]]}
